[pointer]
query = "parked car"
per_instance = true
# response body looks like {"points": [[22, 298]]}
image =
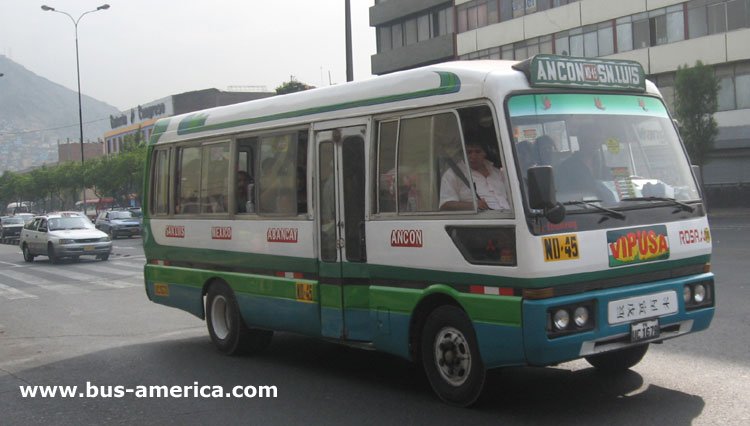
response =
{"points": [[117, 223], [10, 227], [27, 217], [63, 235]]}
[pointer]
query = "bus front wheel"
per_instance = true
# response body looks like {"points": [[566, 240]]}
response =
{"points": [[228, 330], [618, 361], [450, 356]]}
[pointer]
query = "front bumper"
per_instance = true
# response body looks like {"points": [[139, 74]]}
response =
{"points": [[83, 249], [541, 349]]}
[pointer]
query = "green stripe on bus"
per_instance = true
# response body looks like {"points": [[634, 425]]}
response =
{"points": [[194, 123]]}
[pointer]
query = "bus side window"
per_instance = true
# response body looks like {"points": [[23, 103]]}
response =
{"points": [[160, 183], [301, 178], [214, 178], [277, 181], [244, 176], [427, 146], [386, 167], [188, 180]]}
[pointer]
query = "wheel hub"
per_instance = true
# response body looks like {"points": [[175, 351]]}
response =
{"points": [[452, 356]]}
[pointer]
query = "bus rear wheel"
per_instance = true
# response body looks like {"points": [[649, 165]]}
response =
{"points": [[450, 356], [618, 361], [226, 327]]}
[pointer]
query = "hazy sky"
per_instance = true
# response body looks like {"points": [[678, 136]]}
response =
{"points": [[142, 50]]}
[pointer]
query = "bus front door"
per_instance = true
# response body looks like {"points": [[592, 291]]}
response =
{"points": [[343, 293]]}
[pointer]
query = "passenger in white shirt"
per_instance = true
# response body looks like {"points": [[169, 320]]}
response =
{"points": [[489, 184]]}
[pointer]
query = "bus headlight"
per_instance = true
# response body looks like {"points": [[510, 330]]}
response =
{"points": [[698, 295], [581, 316], [572, 318], [687, 294], [561, 319]]}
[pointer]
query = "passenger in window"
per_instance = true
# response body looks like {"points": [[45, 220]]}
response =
{"points": [[489, 185], [580, 174], [546, 150], [243, 192]]}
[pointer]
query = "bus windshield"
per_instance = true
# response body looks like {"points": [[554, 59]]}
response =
{"points": [[608, 150]]}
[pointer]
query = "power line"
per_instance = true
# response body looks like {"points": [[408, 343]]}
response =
{"points": [[50, 128]]}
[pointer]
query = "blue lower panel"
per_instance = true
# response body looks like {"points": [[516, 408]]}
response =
{"points": [[500, 345], [544, 350], [280, 314], [180, 296], [391, 332], [358, 325]]}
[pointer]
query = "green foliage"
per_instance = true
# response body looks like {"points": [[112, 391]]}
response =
{"points": [[292, 86], [58, 187], [696, 90]]}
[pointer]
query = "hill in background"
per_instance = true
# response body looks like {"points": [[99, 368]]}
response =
{"points": [[36, 114]]}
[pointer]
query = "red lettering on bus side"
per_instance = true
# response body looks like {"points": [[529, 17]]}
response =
{"points": [[406, 238], [282, 235], [174, 231], [221, 232]]}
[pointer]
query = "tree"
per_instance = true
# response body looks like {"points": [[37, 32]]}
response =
{"points": [[696, 90], [292, 86]]}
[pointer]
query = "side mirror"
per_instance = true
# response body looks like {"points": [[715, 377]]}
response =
{"points": [[541, 184]]}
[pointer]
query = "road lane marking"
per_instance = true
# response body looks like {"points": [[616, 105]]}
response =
{"points": [[11, 293]]}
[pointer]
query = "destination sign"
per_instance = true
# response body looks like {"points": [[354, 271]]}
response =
{"points": [[601, 74]]}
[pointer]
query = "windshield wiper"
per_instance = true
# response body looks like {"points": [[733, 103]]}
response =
{"points": [[591, 203], [683, 206]]}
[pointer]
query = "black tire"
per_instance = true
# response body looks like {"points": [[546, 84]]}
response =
{"points": [[228, 330], [51, 254], [27, 256], [103, 256], [618, 361], [112, 234], [450, 356]]}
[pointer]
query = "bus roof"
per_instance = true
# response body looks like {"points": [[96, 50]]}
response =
{"points": [[435, 84]]}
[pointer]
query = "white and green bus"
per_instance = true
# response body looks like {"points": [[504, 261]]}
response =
{"points": [[358, 213]]}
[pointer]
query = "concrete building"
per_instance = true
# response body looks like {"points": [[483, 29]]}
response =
{"points": [[137, 123], [660, 34]]}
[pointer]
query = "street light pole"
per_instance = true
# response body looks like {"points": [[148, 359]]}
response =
{"points": [[78, 73]]}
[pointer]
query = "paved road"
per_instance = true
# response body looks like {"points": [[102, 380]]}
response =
{"points": [[84, 322]]}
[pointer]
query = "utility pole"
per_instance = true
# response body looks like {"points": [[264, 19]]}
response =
{"points": [[349, 66]]}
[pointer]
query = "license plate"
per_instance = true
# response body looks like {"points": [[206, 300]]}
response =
{"points": [[644, 331], [642, 307], [88, 248]]}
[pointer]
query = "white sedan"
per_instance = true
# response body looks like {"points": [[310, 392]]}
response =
{"points": [[63, 235]]}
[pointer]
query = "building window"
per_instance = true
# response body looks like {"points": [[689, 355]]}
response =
{"points": [[738, 14], [742, 86], [675, 23], [576, 42], [423, 28], [397, 37], [410, 32], [697, 20], [562, 44], [442, 22], [624, 34], [385, 38], [590, 44], [641, 31], [717, 16], [725, 96]]}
